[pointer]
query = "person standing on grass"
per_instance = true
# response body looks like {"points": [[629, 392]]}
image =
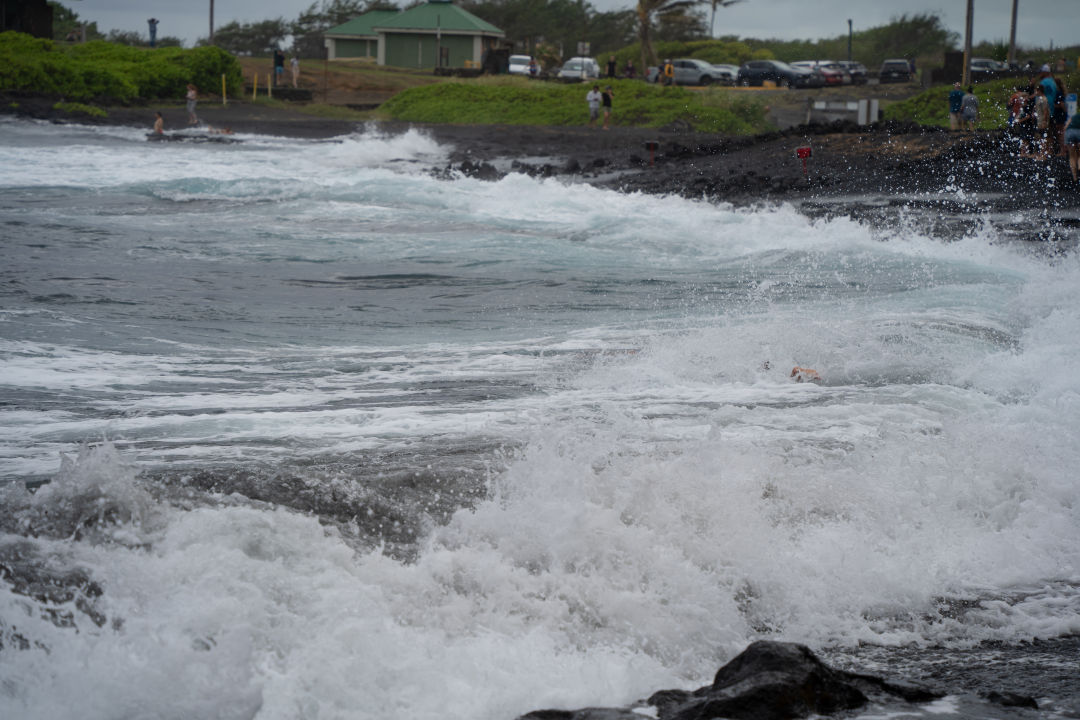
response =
{"points": [[956, 100], [279, 67], [969, 109], [606, 100], [593, 98], [611, 67]]}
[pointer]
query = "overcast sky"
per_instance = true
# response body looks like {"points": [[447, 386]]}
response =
{"points": [[1039, 23]]}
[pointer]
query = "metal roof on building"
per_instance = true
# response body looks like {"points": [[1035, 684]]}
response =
{"points": [[442, 16], [362, 25]]}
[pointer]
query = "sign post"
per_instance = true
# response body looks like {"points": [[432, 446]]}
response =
{"points": [[804, 154]]}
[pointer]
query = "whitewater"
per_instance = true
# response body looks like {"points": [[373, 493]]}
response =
{"points": [[308, 429]]}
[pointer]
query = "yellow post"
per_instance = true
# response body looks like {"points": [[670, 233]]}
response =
{"points": [[224, 95], [255, 87], [269, 87]]}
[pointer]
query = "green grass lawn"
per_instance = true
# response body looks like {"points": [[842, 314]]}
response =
{"points": [[521, 101]]}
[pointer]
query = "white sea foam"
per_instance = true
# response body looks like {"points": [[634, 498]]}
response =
{"points": [[666, 496]]}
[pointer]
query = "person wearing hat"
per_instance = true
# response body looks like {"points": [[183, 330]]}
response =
{"points": [[956, 101]]}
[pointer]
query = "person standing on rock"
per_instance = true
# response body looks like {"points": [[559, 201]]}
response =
{"points": [[956, 99], [192, 97], [606, 100], [593, 98], [969, 109]]}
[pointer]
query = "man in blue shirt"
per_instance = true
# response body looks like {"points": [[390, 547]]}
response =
{"points": [[956, 100], [1049, 86]]}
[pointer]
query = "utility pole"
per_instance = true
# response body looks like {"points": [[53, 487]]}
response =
{"points": [[849, 39], [211, 22], [965, 76], [1012, 35]]}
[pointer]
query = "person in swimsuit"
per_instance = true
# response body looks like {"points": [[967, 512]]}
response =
{"points": [[192, 98]]}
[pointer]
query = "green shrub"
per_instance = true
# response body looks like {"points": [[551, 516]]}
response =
{"points": [[74, 108], [110, 71], [932, 107]]}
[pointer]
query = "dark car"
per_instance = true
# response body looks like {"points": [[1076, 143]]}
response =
{"points": [[894, 71], [757, 72], [857, 71]]}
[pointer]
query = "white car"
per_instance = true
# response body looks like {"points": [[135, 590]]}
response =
{"points": [[519, 65], [726, 74], [581, 68]]}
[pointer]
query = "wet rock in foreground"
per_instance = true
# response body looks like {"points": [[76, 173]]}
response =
{"points": [[767, 681]]}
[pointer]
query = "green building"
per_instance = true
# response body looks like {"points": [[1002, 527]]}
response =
{"points": [[435, 34]]}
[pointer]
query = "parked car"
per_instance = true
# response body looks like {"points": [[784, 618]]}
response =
{"points": [[726, 74], [688, 71], [856, 70], [756, 72], [519, 65], [895, 70], [986, 67], [831, 71], [580, 68]]}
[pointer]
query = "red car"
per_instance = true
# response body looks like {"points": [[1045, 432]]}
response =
{"points": [[834, 72]]}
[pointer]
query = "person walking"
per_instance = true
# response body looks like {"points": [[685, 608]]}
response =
{"points": [[1042, 124], [279, 67], [969, 109], [593, 98], [606, 100], [294, 65], [1072, 142], [192, 97], [956, 100]]}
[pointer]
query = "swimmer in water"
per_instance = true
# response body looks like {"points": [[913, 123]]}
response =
{"points": [[802, 374]]}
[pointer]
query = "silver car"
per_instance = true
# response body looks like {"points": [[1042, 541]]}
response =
{"points": [[581, 68]]}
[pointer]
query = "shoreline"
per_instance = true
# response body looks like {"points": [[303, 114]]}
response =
{"points": [[868, 172]]}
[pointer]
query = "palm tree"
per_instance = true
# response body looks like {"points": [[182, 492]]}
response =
{"points": [[715, 4], [647, 10]]}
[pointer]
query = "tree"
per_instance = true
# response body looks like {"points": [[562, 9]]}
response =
{"points": [[308, 28], [647, 12], [259, 38], [66, 22], [715, 4]]}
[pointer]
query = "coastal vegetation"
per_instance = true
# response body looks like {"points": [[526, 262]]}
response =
{"points": [[109, 71], [518, 101], [931, 107]]}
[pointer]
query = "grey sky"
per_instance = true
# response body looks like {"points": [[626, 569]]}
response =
{"points": [[1040, 22]]}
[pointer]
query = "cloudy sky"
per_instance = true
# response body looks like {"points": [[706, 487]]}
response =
{"points": [[1040, 22]]}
